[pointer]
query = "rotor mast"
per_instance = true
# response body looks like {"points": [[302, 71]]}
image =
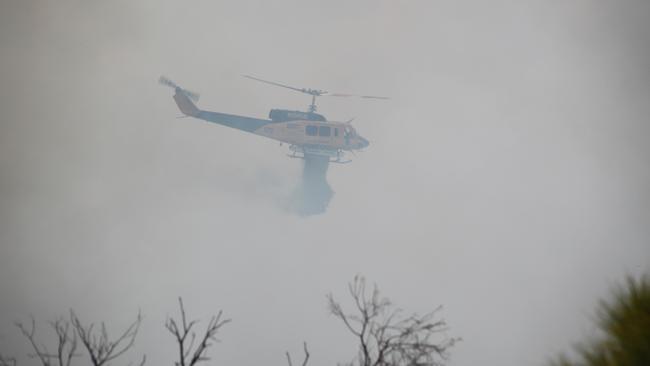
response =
{"points": [[312, 106]]}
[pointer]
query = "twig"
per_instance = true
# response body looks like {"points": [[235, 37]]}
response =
{"points": [[181, 335], [304, 362], [101, 349]]}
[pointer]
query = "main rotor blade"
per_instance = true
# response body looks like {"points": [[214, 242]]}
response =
{"points": [[353, 95], [277, 84], [314, 92]]}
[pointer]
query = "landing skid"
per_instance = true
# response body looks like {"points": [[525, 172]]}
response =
{"points": [[335, 156]]}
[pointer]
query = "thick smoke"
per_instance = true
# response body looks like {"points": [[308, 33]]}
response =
{"points": [[507, 178], [313, 195]]}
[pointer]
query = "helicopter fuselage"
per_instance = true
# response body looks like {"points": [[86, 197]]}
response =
{"points": [[313, 133], [328, 135]]}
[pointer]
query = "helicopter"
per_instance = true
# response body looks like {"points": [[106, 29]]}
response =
{"points": [[310, 135]]}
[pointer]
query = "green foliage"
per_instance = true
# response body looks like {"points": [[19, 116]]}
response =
{"points": [[625, 323]]}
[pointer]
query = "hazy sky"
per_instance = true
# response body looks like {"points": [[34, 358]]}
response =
{"points": [[507, 178]]}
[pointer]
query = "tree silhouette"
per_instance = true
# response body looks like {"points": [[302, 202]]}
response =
{"points": [[188, 354], [101, 349], [386, 337], [625, 325], [65, 347]]}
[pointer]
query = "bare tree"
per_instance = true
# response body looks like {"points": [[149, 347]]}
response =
{"points": [[66, 343], [386, 338], [304, 362], [100, 347], [188, 354]]}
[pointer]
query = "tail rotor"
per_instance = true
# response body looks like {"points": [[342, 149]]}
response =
{"points": [[168, 82]]}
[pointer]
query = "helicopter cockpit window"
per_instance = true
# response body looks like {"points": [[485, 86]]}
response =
{"points": [[324, 131], [311, 130]]}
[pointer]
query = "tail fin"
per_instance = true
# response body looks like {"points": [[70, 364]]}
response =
{"points": [[182, 97], [185, 104]]}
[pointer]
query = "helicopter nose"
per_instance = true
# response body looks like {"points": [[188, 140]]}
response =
{"points": [[363, 142]]}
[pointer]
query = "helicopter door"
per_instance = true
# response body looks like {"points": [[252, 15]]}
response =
{"points": [[347, 133]]}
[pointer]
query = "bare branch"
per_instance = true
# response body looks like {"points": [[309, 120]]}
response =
{"points": [[304, 363], [101, 349], [67, 341], [198, 353], [289, 358], [40, 351], [386, 338], [65, 347], [305, 360]]}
